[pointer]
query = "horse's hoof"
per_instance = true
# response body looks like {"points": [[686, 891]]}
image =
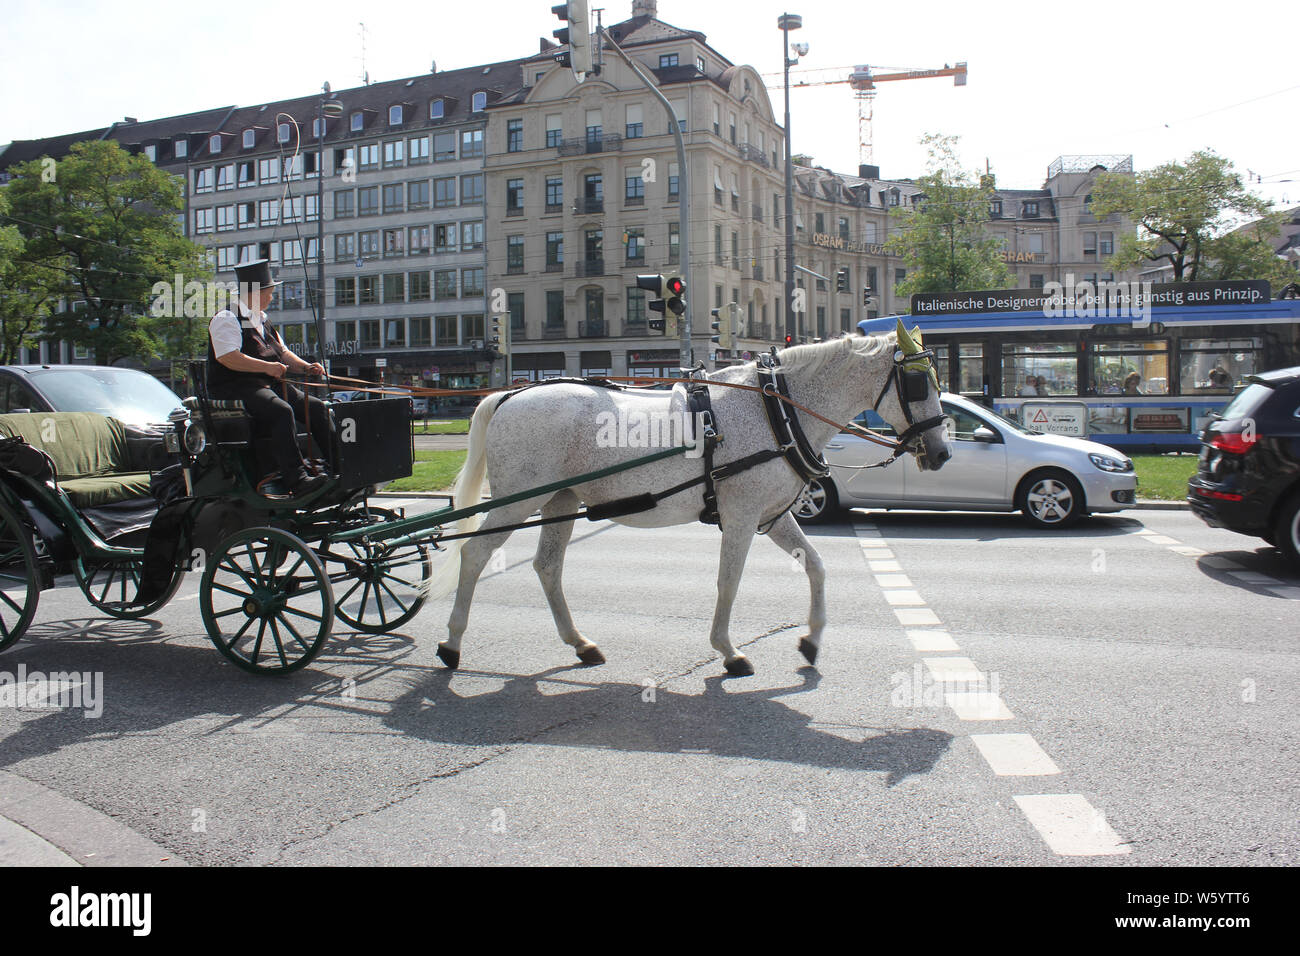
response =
{"points": [[808, 649], [449, 657], [591, 655], [740, 667]]}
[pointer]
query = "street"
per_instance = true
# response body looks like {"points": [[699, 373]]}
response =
{"points": [[1123, 692]]}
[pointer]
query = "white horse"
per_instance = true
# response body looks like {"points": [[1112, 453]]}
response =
{"points": [[549, 433]]}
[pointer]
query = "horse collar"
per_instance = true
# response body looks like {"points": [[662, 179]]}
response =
{"points": [[789, 435]]}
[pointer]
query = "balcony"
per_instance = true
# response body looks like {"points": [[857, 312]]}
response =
{"points": [[757, 330], [586, 206], [514, 270], [591, 267], [593, 329], [555, 267], [753, 154], [609, 143], [550, 331], [554, 207], [758, 273], [634, 200]]}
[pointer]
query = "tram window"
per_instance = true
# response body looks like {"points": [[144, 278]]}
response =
{"points": [[1040, 368], [1217, 365], [1131, 368]]}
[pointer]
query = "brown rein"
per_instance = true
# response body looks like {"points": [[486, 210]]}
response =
{"points": [[421, 392]]}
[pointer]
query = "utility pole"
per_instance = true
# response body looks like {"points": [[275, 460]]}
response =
{"points": [[788, 22]]}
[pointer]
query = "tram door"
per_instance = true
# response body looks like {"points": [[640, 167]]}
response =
{"points": [[973, 371]]}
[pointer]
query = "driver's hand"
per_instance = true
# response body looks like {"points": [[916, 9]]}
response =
{"points": [[315, 368], [277, 369]]}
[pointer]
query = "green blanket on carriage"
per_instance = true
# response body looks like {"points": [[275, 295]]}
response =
{"points": [[92, 459]]}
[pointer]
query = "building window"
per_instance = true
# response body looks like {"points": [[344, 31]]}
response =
{"points": [[1089, 243], [214, 144], [444, 284], [555, 310], [674, 243], [393, 242], [471, 189], [245, 173], [471, 236], [1106, 244], [633, 188], [284, 133], [345, 159], [343, 208], [369, 244], [471, 143], [225, 218], [368, 156], [417, 194], [358, 122], [635, 125], [246, 215], [478, 103], [444, 192], [674, 182], [421, 330], [554, 130], [345, 247], [394, 116], [636, 245], [636, 307], [514, 254], [395, 333], [699, 64], [444, 147], [1053, 366], [995, 209], [554, 194], [437, 109], [394, 153], [514, 197], [418, 286], [471, 283], [1031, 210], [595, 127], [445, 237], [395, 287], [554, 251], [368, 201], [515, 309], [394, 194], [370, 334], [418, 151], [514, 136], [268, 212], [446, 326], [345, 291], [1035, 280], [203, 180], [367, 291], [471, 327], [666, 60]]}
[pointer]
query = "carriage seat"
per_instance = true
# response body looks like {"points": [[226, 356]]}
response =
{"points": [[91, 456]]}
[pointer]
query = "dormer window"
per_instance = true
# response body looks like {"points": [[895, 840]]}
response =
{"points": [[1031, 210], [358, 122], [666, 60], [181, 148], [479, 103], [699, 63], [284, 132], [894, 196], [214, 143], [437, 109], [995, 209], [394, 116], [152, 152], [250, 138]]}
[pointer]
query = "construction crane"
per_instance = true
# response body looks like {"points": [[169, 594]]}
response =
{"points": [[862, 80]]}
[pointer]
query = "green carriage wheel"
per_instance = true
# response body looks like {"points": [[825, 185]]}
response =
{"points": [[266, 601], [387, 590], [20, 586], [111, 586]]}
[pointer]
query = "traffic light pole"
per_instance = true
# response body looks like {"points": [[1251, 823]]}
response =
{"points": [[686, 357]]}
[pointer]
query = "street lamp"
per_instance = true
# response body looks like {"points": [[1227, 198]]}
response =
{"points": [[331, 107], [787, 22]]}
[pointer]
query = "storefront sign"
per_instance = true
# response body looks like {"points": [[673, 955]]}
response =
{"points": [[1124, 296], [1056, 418], [829, 241], [1152, 420], [1022, 256]]}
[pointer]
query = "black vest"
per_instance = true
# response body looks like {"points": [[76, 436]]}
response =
{"points": [[262, 346]]}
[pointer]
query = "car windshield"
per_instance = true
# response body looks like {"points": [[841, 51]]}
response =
{"points": [[1002, 420], [130, 396], [1246, 401]]}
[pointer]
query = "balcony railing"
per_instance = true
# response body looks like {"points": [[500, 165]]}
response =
{"points": [[591, 267], [585, 206], [555, 331], [758, 330], [753, 154], [555, 267], [593, 329], [758, 273], [554, 207], [610, 142], [634, 200]]}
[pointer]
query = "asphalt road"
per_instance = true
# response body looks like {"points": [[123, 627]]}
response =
{"points": [[1104, 695]]}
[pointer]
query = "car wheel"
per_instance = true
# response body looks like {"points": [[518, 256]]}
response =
{"points": [[1286, 531], [818, 503], [1051, 499]]}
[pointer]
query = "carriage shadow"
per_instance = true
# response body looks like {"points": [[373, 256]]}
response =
{"points": [[558, 708]]}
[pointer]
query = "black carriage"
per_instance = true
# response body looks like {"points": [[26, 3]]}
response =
{"points": [[130, 512]]}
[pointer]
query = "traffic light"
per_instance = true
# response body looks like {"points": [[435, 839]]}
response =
{"points": [[842, 281], [789, 340], [576, 35], [668, 291], [866, 295], [494, 343], [674, 290], [653, 284]]}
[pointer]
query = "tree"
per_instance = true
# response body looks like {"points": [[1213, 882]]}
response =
{"points": [[1185, 212], [942, 240], [105, 222], [24, 290]]}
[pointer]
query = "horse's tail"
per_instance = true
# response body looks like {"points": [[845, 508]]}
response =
{"points": [[466, 493]]}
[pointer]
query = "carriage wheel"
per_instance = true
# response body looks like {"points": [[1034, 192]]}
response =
{"points": [[111, 586], [385, 593], [266, 601], [20, 586]]}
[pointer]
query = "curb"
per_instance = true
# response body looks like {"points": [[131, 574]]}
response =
{"points": [[1153, 504], [41, 827]]}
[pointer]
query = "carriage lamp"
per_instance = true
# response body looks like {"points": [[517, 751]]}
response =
{"points": [[195, 439]]}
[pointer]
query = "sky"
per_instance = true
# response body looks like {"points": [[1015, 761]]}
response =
{"points": [[1156, 81]]}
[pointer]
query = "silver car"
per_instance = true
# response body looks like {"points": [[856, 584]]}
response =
{"points": [[996, 465]]}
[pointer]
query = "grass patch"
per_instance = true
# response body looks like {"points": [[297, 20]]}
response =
{"points": [[1164, 476], [433, 471], [457, 426]]}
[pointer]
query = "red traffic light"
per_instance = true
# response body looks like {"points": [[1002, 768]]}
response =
{"points": [[789, 339], [675, 286]]}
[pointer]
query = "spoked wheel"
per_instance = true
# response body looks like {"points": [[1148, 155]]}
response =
{"points": [[266, 601], [381, 586], [20, 586], [111, 586]]}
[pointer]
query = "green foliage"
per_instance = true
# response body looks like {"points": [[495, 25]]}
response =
{"points": [[103, 223], [24, 290], [1185, 213], [942, 240]]}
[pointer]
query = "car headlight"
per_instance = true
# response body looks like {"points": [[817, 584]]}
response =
{"points": [[1107, 463]]}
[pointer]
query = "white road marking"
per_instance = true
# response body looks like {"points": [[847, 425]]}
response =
{"points": [[1015, 755], [1291, 594], [1071, 826], [893, 580], [883, 565], [904, 598], [954, 670], [862, 532], [915, 616], [1187, 550], [870, 548], [1213, 561], [1253, 577], [978, 705], [1145, 532], [1163, 539], [932, 641]]}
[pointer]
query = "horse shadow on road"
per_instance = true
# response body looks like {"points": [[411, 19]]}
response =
{"points": [[557, 708]]}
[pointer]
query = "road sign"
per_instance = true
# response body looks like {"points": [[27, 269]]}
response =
{"points": [[381, 363], [1056, 418]]}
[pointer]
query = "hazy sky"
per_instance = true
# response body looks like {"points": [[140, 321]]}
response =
{"points": [[1154, 80]]}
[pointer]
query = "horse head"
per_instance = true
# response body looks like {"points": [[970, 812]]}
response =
{"points": [[909, 401]]}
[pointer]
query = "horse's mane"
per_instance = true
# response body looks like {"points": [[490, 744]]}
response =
{"points": [[812, 358]]}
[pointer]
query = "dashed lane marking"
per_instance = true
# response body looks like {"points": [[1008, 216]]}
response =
{"points": [[884, 565], [893, 580], [1071, 826], [978, 705], [1015, 755], [954, 670], [915, 616], [903, 598], [932, 641]]}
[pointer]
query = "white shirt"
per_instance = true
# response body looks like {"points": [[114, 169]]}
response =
{"points": [[226, 330]]}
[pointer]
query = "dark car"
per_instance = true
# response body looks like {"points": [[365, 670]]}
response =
{"points": [[129, 395], [1248, 479]]}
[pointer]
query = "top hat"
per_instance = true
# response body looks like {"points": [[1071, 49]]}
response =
{"points": [[256, 272]]}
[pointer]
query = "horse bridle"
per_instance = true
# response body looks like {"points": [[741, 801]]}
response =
{"points": [[911, 385]]}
